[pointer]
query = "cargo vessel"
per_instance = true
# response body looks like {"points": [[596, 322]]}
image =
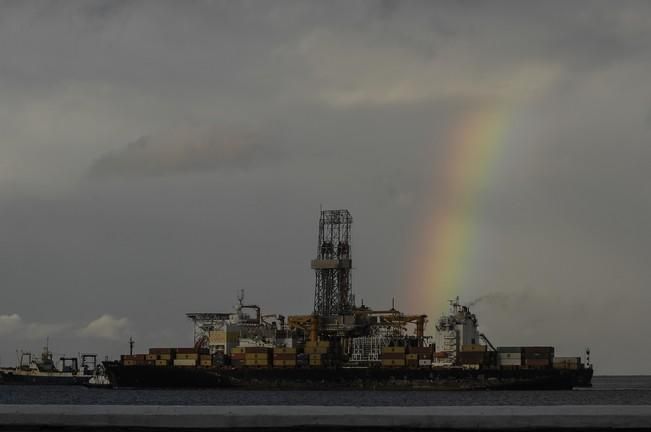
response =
{"points": [[342, 345], [44, 370]]}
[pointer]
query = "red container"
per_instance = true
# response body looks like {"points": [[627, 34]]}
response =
{"points": [[537, 363]]}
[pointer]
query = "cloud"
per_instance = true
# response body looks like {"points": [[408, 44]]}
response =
{"points": [[13, 326], [10, 323], [183, 151], [106, 327]]}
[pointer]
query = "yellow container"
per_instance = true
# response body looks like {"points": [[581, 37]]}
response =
{"points": [[397, 349], [162, 362], [284, 363], [205, 363], [129, 362], [152, 357], [185, 363], [412, 356], [192, 356], [393, 363], [284, 350], [473, 348], [165, 357], [256, 356]]}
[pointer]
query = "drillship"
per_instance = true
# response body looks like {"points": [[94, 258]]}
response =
{"points": [[342, 345]]}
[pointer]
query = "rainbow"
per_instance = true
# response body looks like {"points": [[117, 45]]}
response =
{"points": [[447, 235]]}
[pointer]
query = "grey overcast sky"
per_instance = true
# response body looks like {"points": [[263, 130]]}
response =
{"points": [[156, 157]]}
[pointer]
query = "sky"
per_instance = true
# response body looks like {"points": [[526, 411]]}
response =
{"points": [[158, 157]]}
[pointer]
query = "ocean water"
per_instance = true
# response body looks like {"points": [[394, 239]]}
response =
{"points": [[606, 390]]}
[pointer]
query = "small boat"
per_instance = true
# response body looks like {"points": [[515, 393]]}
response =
{"points": [[99, 379]]}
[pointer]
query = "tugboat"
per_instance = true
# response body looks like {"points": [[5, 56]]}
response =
{"points": [[44, 371], [99, 379]]}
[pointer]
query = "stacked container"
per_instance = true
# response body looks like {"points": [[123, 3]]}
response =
{"points": [[205, 360], [186, 357], [393, 356], [284, 357], [163, 353], [317, 351], [259, 357], [422, 359], [509, 357], [134, 360], [567, 362], [237, 356], [539, 357]]}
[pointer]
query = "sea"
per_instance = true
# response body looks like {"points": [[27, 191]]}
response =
{"points": [[606, 390]]}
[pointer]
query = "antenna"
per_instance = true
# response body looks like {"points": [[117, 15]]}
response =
{"points": [[240, 297], [131, 344]]}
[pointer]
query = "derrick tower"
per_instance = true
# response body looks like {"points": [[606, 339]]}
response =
{"points": [[333, 292]]}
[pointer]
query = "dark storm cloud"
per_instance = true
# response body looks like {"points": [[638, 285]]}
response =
{"points": [[185, 151], [353, 103]]}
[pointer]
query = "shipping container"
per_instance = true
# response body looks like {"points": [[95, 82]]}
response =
{"points": [[187, 356], [411, 356], [284, 363], [162, 362], [425, 363], [392, 356], [537, 363], [284, 356], [538, 353], [257, 356], [394, 349], [393, 363], [509, 355], [185, 362], [510, 363], [167, 357], [473, 348], [205, 363], [471, 357], [567, 362], [284, 350], [152, 357]]}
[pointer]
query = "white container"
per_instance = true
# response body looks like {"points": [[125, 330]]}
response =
{"points": [[424, 362]]}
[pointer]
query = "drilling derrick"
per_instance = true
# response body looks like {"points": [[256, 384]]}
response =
{"points": [[333, 293]]}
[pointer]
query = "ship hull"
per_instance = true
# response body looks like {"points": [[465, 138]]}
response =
{"points": [[9, 378], [348, 378]]}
